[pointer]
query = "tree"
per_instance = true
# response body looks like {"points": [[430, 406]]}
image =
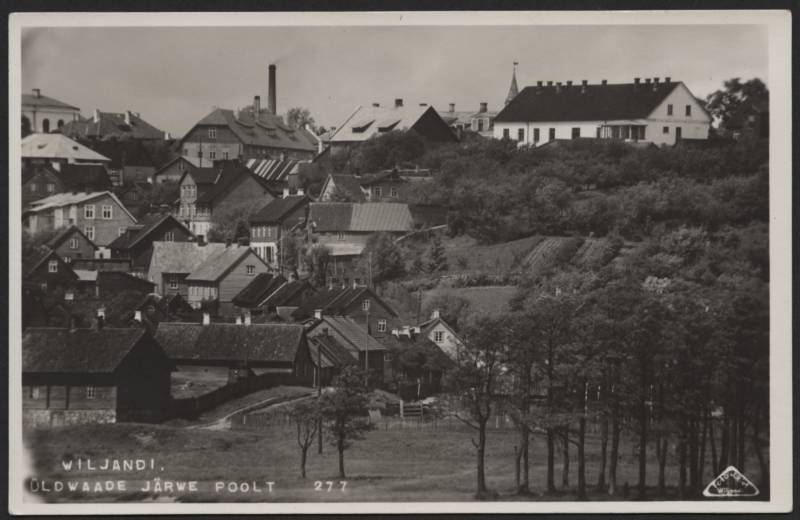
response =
{"points": [[343, 410], [317, 259], [382, 259], [437, 259], [299, 117], [305, 416], [233, 222], [736, 99], [288, 252], [475, 381]]}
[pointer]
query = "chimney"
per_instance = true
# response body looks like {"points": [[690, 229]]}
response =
{"points": [[569, 83], [317, 314], [128, 117], [137, 316], [243, 241], [436, 314], [636, 82], [539, 83], [96, 116], [558, 86], [247, 318], [238, 320], [376, 105], [167, 136], [398, 102], [271, 91], [257, 105], [647, 81], [396, 333], [100, 321], [452, 107], [604, 82], [37, 92], [285, 192], [484, 106], [584, 84], [549, 83], [300, 192], [667, 80], [655, 80]]}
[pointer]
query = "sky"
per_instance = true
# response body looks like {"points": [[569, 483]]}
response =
{"points": [[173, 76]]}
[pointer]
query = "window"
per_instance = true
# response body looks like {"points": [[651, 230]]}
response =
{"points": [[88, 211], [535, 135], [173, 284], [134, 195], [552, 134], [665, 130], [520, 134], [251, 270], [268, 231], [67, 259], [185, 152], [225, 155], [169, 236], [51, 187], [438, 336], [212, 154], [340, 236], [381, 325], [60, 123], [73, 243], [212, 133], [688, 110], [69, 296], [33, 186], [46, 126], [121, 231], [107, 212], [480, 125], [576, 132], [506, 133], [365, 305], [36, 392], [52, 266], [91, 392], [89, 232], [669, 110], [393, 192], [376, 191]]}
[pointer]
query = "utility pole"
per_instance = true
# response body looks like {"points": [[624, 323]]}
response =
{"points": [[319, 397], [366, 340]]}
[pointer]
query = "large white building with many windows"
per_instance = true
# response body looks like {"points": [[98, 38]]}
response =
{"points": [[649, 110]]}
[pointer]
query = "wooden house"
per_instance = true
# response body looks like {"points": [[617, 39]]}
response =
{"points": [[272, 224], [172, 262], [72, 244], [355, 338], [39, 181], [136, 242], [99, 375], [329, 357]]}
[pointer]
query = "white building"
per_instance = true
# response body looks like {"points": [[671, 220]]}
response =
{"points": [[44, 114], [654, 111]]}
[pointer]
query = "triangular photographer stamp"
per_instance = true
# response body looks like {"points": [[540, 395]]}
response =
{"points": [[731, 483]]}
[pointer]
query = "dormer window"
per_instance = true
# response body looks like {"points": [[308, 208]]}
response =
{"points": [[361, 126], [212, 133]]}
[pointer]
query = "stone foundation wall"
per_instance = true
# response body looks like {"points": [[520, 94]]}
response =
{"points": [[50, 418]]}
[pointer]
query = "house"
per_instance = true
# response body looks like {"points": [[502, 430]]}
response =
{"points": [[113, 283], [370, 121], [267, 354], [661, 112], [111, 126], [273, 223], [39, 181], [100, 215], [329, 357], [137, 241], [226, 186], [43, 114], [354, 337], [415, 365], [100, 375], [280, 174], [222, 276], [441, 334], [172, 262], [57, 150], [342, 188], [137, 197], [102, 264], [173, 170], [357, 303], [480, 122], [48, 273], [83, 177], [272, 294], [130, 160], [395, 185], [71, 244]]}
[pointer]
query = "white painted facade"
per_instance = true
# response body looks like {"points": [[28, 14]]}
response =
{"points": [[660, 127], [45, 119]]}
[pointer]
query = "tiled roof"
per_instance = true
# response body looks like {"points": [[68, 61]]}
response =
{"points": [[105, 277], [57, 146], [179, 257], [85, 176], [130, 152], [65, 234], [349, 185], [147, 224], [435, 357], [32, 264], [352, 335], [335, 301], [360, 217], [215, 266], [230, 342], [368, 121], [328, 352], [268, 131], [44, 101], [60, 200], [262, 286], [86, 351], [428, 215], [597, 103], [112, 125], [277, 209], [284, 294], [221, 178]]}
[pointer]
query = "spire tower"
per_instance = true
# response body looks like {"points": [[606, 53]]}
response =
{"points": [[513, 90]]}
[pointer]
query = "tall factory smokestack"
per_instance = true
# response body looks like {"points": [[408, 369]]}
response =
{"points": [[271, 91]]}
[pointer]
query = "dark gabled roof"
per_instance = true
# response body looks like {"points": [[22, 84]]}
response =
{"points": [[217, 265], [43, 257], [147, 224], [262, 286], [352, 335], [65, 234], [278, 209], [45, 101], [217, 181], [349, 185], [284, 294], [435, 357], [85, 176], [111, 125], [267, 130], [106, 277], [597, 103], [428, 215], [335, 301], [81, 351], [129, 152], [360, 217], [29, 170], [327, 352], [230, 342]]}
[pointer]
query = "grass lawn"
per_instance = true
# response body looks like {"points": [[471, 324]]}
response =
{"points": [[487, 300], [411, 464]]}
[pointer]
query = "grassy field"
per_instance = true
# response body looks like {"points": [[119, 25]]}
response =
{"points": [[487, 300], [410, 464]]}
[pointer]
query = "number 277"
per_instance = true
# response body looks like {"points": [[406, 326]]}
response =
{"points": [[327, 485]]}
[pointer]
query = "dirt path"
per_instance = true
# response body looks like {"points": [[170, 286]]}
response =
{"points": [[224, 422]]}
